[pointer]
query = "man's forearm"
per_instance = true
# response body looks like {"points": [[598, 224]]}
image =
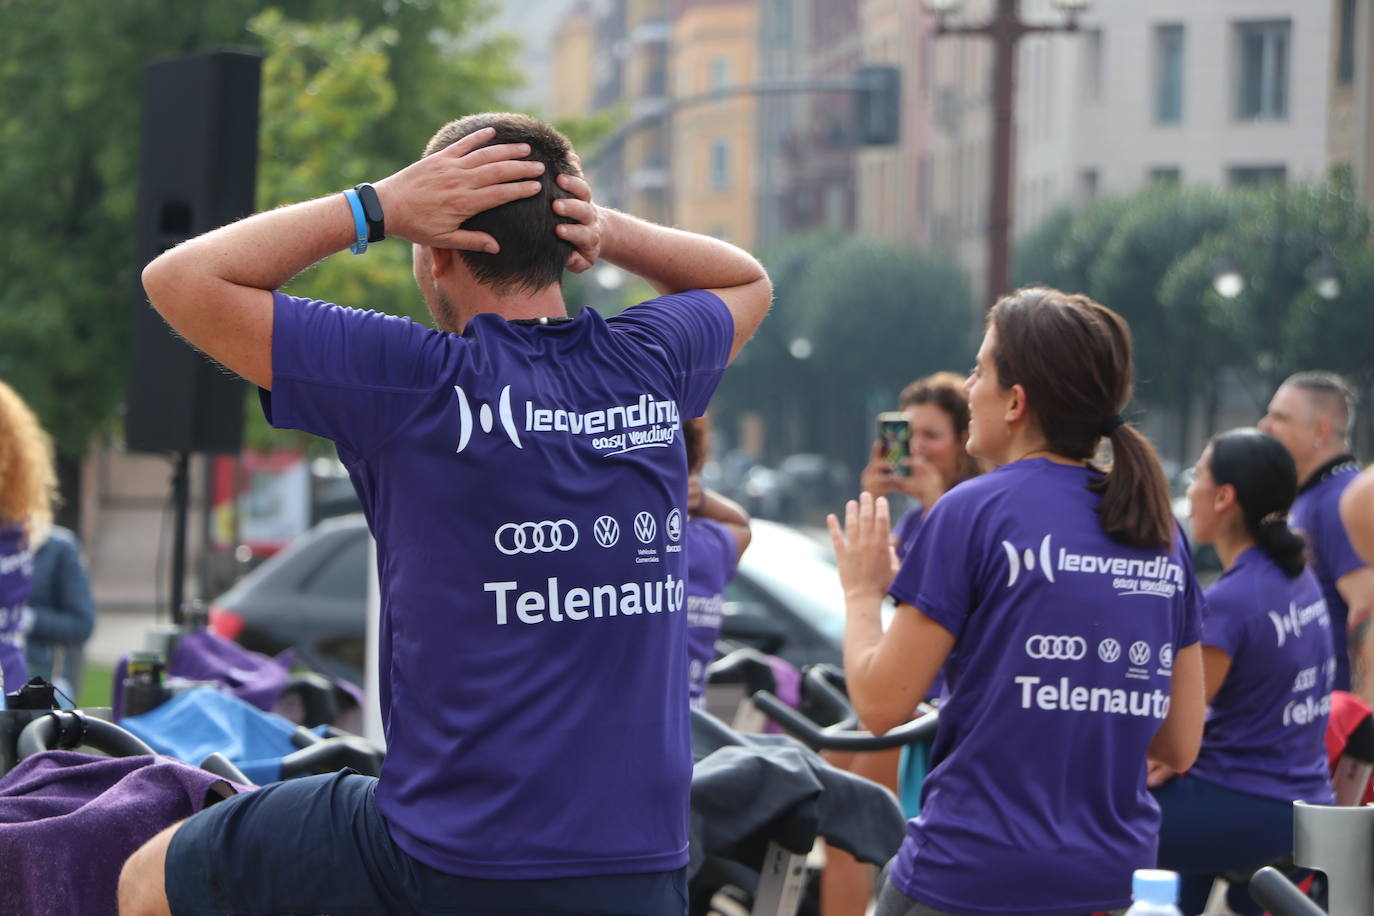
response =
{"points": [[261, 252], [717, 508], [673, 260]]}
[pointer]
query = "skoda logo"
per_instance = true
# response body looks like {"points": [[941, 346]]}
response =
{"points": [[645, 527], [674, 525], [1140, 653], [1063, 648], [1109, 650], [536, 537], [1166, 655], [607, 531]]}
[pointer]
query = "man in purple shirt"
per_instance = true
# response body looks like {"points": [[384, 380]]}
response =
{"points": [[1312, 414], [520, 472]]}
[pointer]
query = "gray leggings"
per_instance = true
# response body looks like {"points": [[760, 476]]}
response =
{"points": [[892, 902]]}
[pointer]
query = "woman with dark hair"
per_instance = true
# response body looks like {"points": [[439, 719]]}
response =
{"points": [[28, 486], [937, 410], [1268, 664], [716, 535], [1060, 601]]}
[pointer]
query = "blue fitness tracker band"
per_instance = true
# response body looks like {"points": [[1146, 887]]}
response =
{"points": [[359, 222]]}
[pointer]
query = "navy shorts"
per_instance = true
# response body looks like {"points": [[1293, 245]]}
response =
{"points": [[318, 845]]}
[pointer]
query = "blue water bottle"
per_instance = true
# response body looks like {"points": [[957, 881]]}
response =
{"points": [[1154, 892]]}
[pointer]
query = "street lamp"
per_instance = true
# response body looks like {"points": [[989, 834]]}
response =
{"points": [[1227, 279], [1006, 28], [1325, 276]]}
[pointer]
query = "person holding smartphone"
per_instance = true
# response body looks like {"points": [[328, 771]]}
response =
{"points": [[1060, 600], [921, 450]]}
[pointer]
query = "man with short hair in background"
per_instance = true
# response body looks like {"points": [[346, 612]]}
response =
{"points": [[519, 470], [1312, 414]]}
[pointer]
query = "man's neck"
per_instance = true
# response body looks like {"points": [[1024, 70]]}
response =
{"points": [[1318, 461], [480, 300]]}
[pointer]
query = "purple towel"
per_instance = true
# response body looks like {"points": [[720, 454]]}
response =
{"points": [[68, 821], [251, 676], [788, 680]]}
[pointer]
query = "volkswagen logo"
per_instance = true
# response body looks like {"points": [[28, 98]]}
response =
{"points": [[1166, 655], [674, 525], [1063, 648], [1140, 653], [1109, 650], [536, 537], [607, 531], [645, 527]]}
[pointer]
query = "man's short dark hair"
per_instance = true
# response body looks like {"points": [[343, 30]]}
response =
{"points": [[1332, 394], [532, 255]]}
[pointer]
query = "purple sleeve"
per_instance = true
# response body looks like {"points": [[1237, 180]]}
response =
{"points": [[1223, 623], [937, 573], [1330, 542], [1194, 610], [692, 332], [723, 549], [348, 375]]}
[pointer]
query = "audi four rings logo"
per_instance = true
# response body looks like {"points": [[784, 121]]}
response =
{"points": [[1063, 648], [1109, 650], [674, 525], [645, 527], [536, 537], [607, 531]]}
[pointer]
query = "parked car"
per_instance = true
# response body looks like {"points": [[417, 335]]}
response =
{"points": [[785, 600]]}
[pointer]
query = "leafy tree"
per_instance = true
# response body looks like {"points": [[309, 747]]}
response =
{"points": [[350, 89]]}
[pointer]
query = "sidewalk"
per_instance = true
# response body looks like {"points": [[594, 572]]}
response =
{"points": [[118, 631]]}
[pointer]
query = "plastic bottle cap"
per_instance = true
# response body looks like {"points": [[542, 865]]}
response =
{"points": [[1154, 885]]}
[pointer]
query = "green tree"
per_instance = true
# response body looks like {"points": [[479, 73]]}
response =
{"points": [[70, 87]]}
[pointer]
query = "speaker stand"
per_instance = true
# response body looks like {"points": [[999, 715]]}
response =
{"points": [[181, 500]]}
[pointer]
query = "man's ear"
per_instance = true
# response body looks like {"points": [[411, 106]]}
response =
{"points": [[441, 261], [1324, 430], [1018, 405]]}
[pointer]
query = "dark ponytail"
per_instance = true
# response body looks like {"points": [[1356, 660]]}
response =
{"points": [[1266, 482], [1073, 357]]}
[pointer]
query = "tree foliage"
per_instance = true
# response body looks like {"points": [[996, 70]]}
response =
{"points": [[351, 91]]}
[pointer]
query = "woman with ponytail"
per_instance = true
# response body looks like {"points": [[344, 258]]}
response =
{"points": [[1061, 603], [1268, 665], [28, 485]]}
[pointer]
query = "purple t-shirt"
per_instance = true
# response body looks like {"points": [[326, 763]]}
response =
{"points": [[525, 484], [904, 531], [1266, 727], [1317, 514], [1059, 679], [16, 581], [712, 555]]}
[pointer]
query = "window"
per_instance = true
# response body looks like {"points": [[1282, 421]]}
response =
{"points": [[1262, 78], [1345, 55], [1244, 176], [1092, 65], [720, 166], [1165, 174], [1168, 74], [1087, 184], [717, 74]]}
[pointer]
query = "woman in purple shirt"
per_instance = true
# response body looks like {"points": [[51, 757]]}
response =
{"points": [[1061, 602], [716, 536], [1268, 665], [28, 485]]}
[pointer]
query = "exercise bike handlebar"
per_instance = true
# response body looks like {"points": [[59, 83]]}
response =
{"points": [[1271, 890], [918, 730]]}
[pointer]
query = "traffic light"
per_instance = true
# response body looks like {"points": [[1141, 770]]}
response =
{"points": [[879, 105]]}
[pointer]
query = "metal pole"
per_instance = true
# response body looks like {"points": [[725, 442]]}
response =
{"points": [[1005, 32], [181, 499]]}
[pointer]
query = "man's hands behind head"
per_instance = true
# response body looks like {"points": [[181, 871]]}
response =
{"points": [[429, 199]]}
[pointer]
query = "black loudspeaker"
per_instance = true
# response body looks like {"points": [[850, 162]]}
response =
{"points": [[198, 160]]}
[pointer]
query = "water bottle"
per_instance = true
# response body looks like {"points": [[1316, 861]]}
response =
{"points": [[1154, 892]]}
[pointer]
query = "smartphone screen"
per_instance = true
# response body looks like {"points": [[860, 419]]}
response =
{"points": [[894, 432]]}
